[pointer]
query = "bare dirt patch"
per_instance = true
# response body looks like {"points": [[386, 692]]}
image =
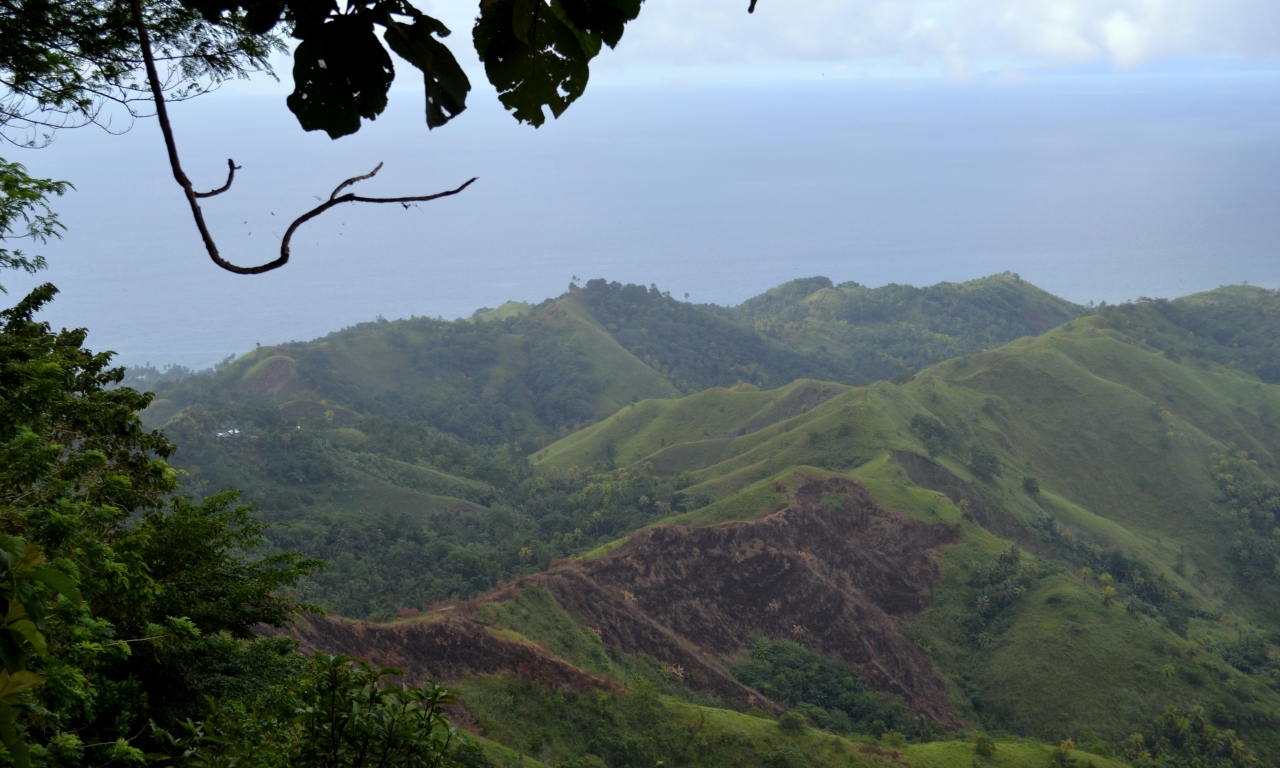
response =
{"points": [[833, 570], [442, 648]]}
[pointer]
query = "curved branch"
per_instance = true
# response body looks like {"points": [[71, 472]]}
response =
{"points": [[355, 179], [231, 176], [162, 114], [334, 200]]}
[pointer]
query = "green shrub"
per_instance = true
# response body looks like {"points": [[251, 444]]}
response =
{"points": [[785, 757], [983, 464], [792, 723]]}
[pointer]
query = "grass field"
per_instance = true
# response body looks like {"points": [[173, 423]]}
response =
{"points": [[1119, 438]]}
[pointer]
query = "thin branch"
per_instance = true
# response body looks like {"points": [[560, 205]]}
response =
{"points": [[162, 114], [353, 180], [348, 198], [231, 176]]}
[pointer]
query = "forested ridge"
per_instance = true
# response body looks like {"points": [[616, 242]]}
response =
{"points": [[413, 436], [370, 505]]}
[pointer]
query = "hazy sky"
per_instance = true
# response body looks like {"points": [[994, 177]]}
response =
{"points": [[1102, 150], [958, 38], [717, 40]]}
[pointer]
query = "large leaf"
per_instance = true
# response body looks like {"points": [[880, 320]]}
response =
{"points": [[341, 73], [28, 629], [54, 579], [447, 85], [602, 20], [11, 655], [531, 56], [13, 684], [18, 751]]}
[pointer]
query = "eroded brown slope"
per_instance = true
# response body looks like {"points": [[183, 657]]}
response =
{"points": [[833, 570], [442, 648]]}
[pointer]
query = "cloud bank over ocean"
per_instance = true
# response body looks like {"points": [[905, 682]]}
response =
{"points": [[958, 37]]}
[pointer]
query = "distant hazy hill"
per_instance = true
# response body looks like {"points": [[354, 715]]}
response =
{"points": [[894, 327], [521, 372], [1237, 326]]}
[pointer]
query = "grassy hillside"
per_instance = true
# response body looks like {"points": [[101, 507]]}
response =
{"points": [[1100, 501], [1088, 448], [375, 438]]}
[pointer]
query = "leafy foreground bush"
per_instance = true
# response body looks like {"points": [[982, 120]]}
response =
{"points": [[128, 635], [345, 713]]}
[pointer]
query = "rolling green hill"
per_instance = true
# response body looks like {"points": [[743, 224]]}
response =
{"points": [[886, 330], [1099, 500], [1108, 456], [363, 439]]}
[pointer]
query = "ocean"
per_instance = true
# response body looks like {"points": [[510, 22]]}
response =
{"points": [[1094, 187]]}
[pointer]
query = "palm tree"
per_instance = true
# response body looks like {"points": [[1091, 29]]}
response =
{"points": [[1108, 596], [1132, 606], [1005, 593], [1167, 671]]}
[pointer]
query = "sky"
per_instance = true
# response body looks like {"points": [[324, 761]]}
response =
{"points": [[950, 38], [1104, 151]]}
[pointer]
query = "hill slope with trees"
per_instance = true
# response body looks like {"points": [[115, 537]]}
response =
{"points": [[414, 435]]}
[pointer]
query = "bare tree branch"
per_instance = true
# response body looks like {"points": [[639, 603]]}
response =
{"points": [[350, 198], [162, 114], [231, 176]]}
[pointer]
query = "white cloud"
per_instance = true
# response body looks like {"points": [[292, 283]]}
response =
{"points": [[949, 35]]}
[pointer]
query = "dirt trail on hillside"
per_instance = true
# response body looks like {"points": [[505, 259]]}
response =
{"points": [[833, 570]]}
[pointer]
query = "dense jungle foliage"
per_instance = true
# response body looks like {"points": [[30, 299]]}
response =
{"points": [[1237, 326], [129, 636]]}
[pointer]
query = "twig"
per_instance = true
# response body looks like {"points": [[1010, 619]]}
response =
{"points": [[231, 176], [162, 114], [349, 198]]}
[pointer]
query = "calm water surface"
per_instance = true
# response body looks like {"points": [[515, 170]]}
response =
{"points": [[1095, 188]]}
